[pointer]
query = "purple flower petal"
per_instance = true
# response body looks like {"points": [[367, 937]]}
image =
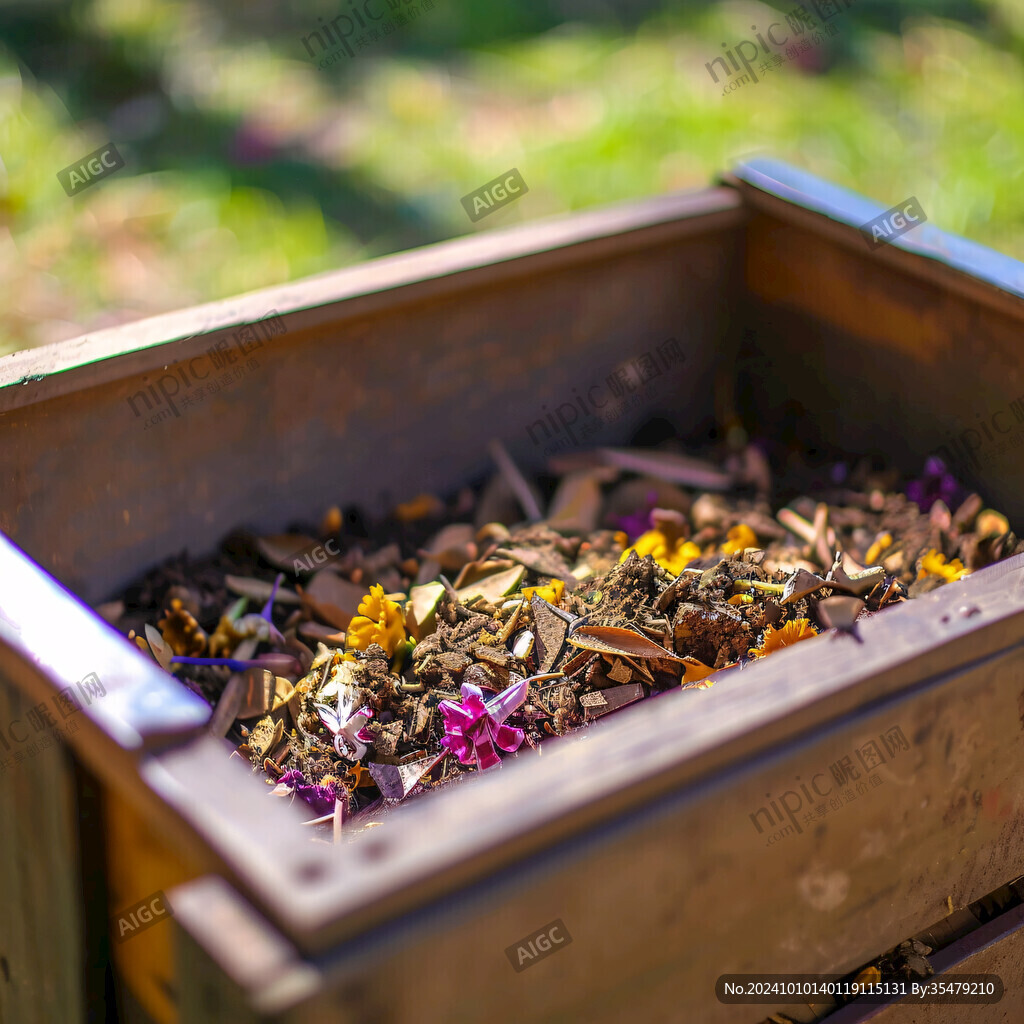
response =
{"points": [[637, 523], [936, 483], [320, 798], [268, 611]]}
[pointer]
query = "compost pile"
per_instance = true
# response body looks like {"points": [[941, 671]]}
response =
{"points": [[452, 636]]}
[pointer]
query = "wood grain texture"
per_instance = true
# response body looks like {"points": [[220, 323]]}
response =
{"points": [[139, 862], [882, 353], [995, 948], [924, 260], [42, 955], [438, 271], [222, 975], [672, 896], [391, 380]]}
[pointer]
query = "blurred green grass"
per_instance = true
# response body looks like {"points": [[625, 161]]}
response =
{"points": [[248, 166]]}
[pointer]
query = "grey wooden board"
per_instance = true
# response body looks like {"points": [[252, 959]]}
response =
{"points": [[391, 379], [884, 352], [670, 897], [436, 847], [997, 947], [41, 954]]}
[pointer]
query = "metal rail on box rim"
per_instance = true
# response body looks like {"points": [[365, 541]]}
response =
{"points": [[329, 299], [801, 189]]}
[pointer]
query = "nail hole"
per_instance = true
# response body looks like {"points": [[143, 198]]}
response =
{"points": [[311, 871], [375, 849]]}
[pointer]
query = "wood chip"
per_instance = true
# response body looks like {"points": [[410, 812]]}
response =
{"points": [[576, 505], [285, 550], [616, 640], [259, 591], [602, 702], [669, 466], [493, 588]]}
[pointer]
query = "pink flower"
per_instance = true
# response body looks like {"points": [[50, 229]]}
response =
{"points": [[474, 728]]}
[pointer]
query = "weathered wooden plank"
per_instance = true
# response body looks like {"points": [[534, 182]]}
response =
{"points": [[835, 214], [221, 975], [995, 948], [486, 333], [123, 694], [858, 332], [42, 954], [140, 862], [662, 903], [434, 271]]}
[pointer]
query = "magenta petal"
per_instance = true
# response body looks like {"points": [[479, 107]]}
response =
{"points": [[456, 716], [471, 730], [508, 738], [486, 756], [460, 747]]}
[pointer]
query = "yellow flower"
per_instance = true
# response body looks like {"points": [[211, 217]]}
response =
{"points": [[379, 621], [224, 639], [775, 639], [739, 537], [552, 593], [422, 506], [883, 541], [673, 554], [935, 564]]}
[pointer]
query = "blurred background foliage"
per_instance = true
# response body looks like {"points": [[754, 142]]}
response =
{"points": [[250, 165]]}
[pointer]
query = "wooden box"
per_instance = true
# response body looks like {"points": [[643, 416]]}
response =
{"points": [[658, 842]]}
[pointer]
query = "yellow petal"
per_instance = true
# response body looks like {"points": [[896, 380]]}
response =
{"points": [[884, 541], [551, 593], [775, 639], [379, 621], [934, 563], [739, 538], [695, 670]]}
